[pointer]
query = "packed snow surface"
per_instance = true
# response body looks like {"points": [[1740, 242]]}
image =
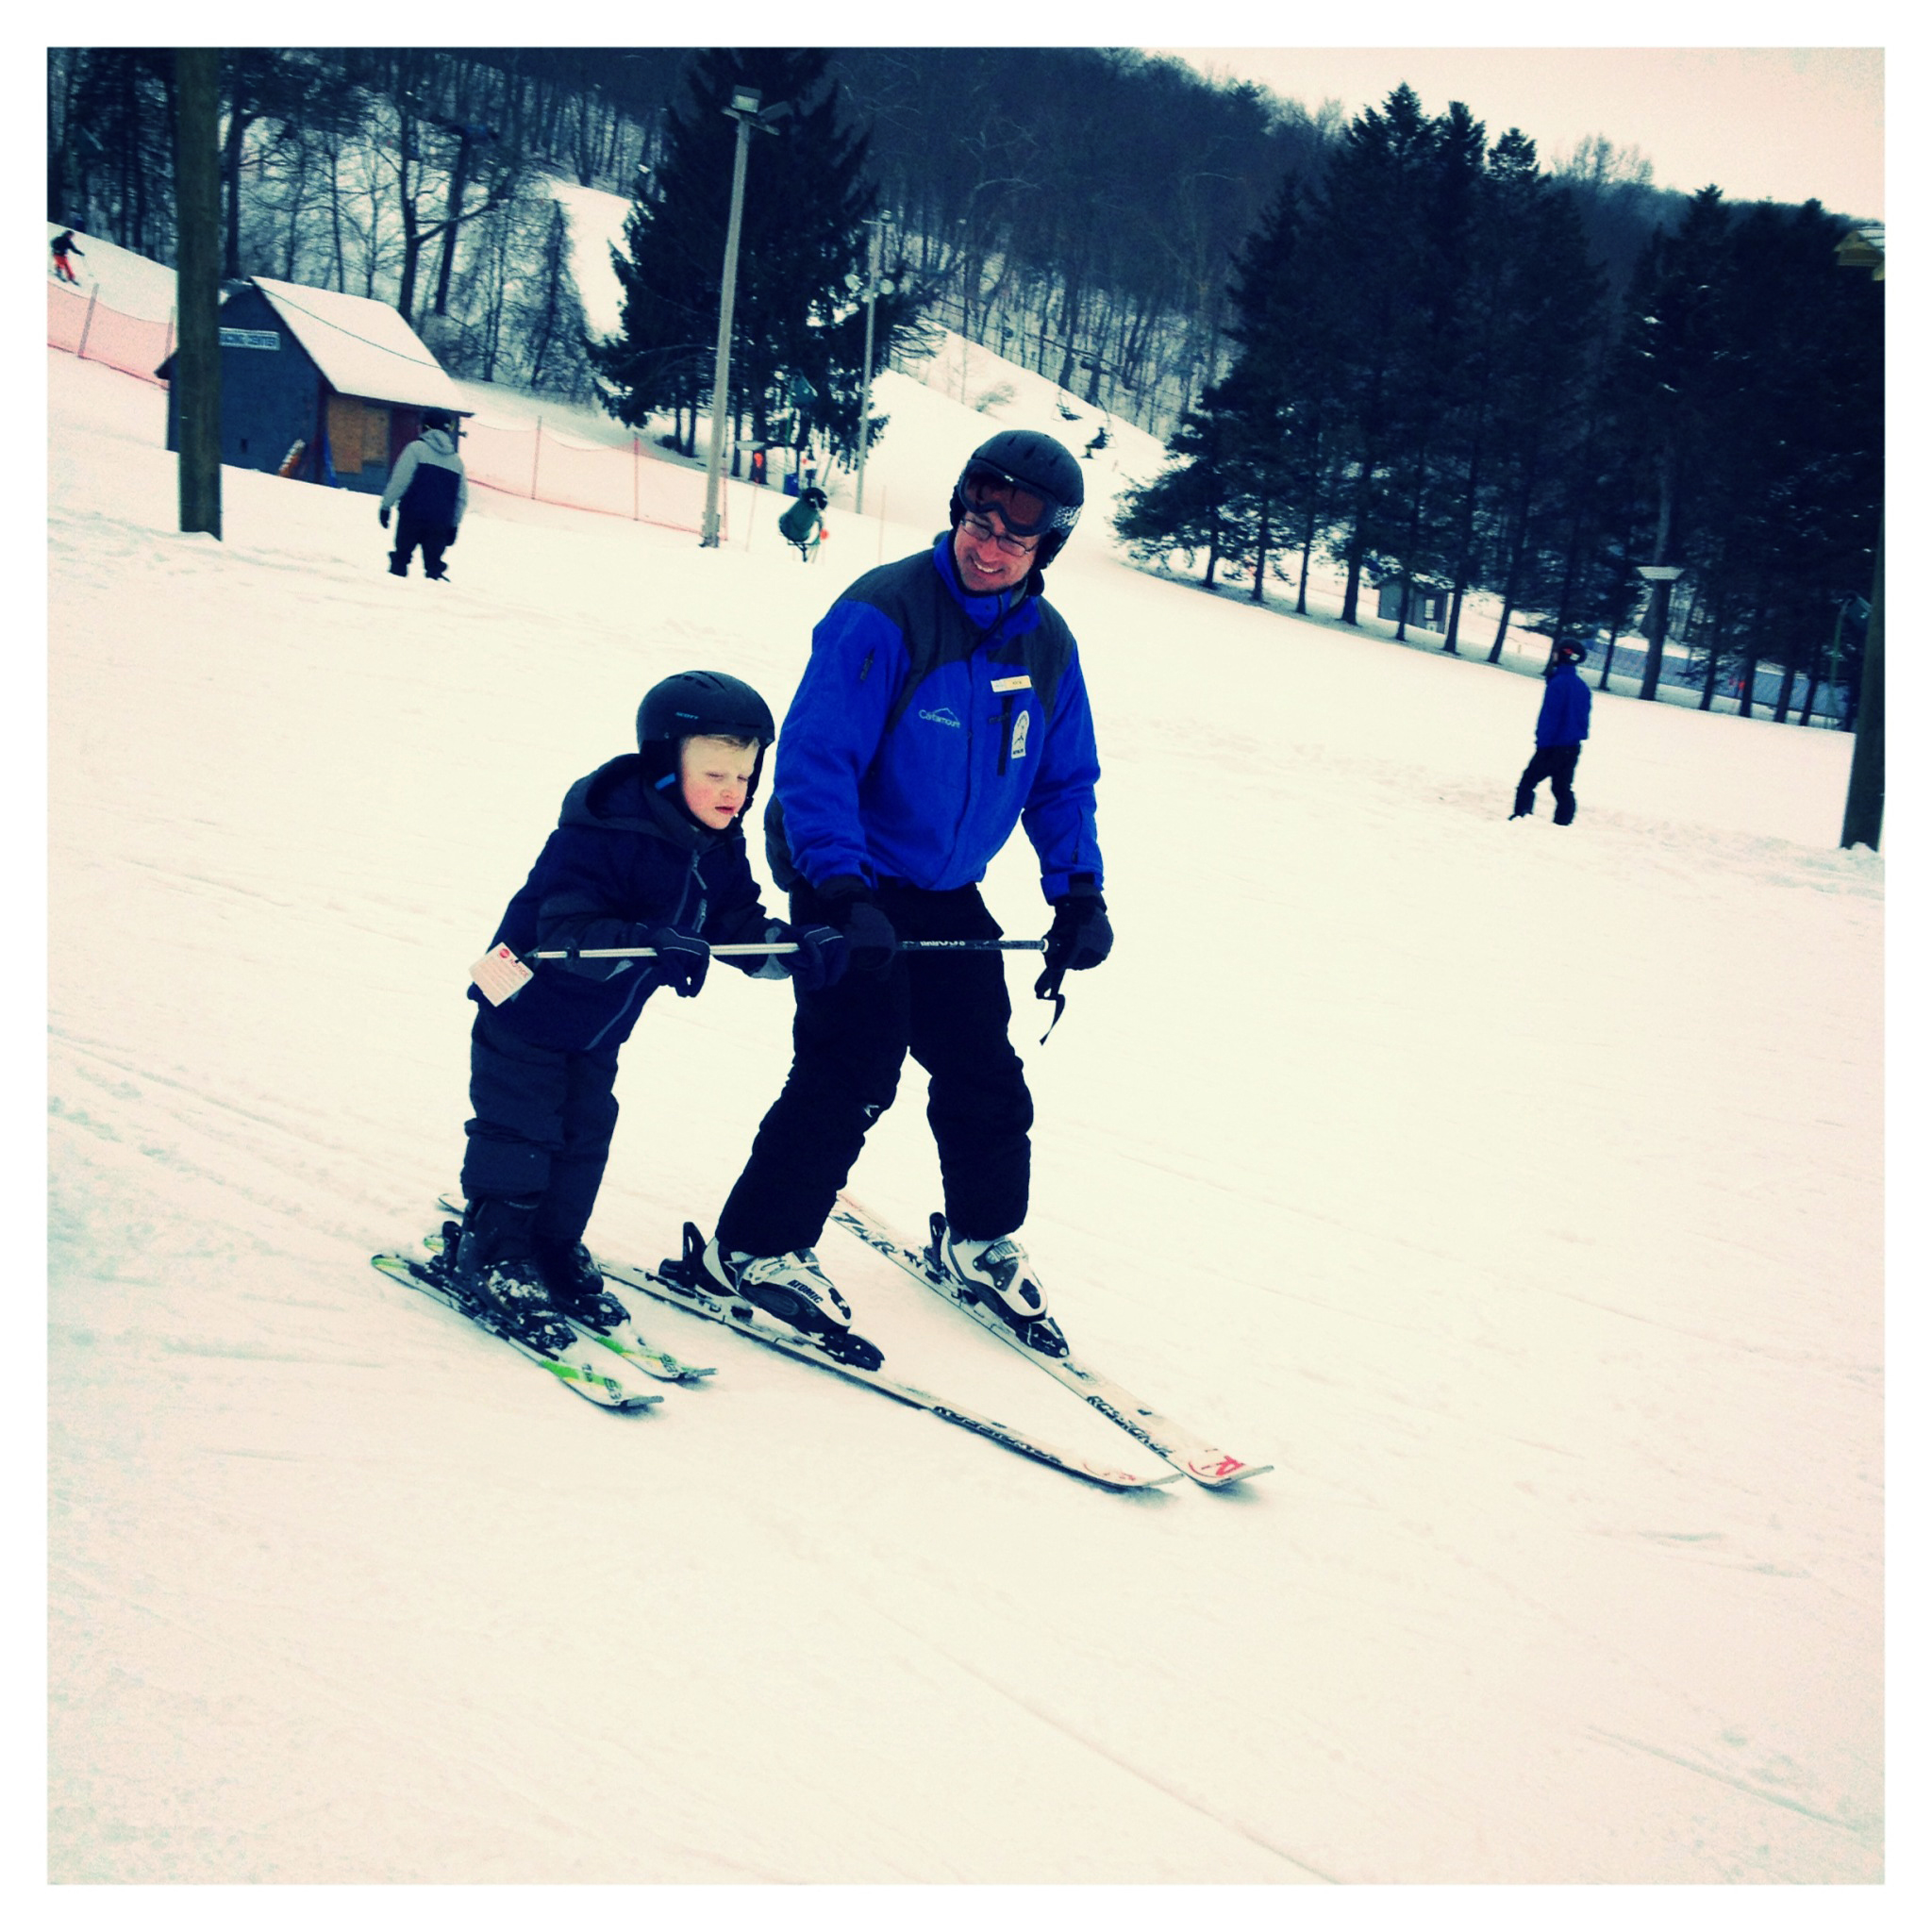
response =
{"points": [[1514, 1191]]}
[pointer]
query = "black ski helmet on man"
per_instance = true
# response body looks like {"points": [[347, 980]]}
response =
{"points": [[1034, 483]]}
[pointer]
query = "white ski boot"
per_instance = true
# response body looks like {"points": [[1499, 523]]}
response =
{"points": [[999, 1276], [791, 1287]]}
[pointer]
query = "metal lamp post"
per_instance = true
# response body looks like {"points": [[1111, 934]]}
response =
{"points": [[874, 290], [745, 111], [1657, 621]]}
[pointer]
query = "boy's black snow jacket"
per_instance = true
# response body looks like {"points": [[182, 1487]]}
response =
{"points": [[623, 859], [429, 483]]}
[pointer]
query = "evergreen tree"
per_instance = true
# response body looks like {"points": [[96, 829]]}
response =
{"points": [[798, 331]]}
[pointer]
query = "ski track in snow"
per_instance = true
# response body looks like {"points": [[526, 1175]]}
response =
{"points": [[1515, 1192]]}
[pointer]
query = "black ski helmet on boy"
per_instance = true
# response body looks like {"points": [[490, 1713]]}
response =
{"points": [[1034, 483], [701, 704], [1569, 651]]}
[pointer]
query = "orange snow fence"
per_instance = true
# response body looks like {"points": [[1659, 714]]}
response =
{"points": [[617, 479], [85, 326]]}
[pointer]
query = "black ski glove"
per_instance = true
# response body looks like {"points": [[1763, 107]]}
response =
{"points": [[382, 516], [822, 957], [1080, 936], [681, 962], [869, 936]]}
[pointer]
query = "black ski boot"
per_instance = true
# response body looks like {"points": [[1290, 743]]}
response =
{"points": [[493, 1265], [577, 1286]]}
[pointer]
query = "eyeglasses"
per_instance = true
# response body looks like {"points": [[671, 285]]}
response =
{"points": [[1009, 546]]}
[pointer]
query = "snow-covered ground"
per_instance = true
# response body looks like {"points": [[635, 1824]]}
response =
{"points": [[1514, 1191]]}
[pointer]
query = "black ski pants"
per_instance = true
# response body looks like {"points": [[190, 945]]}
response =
{"points": [[541, 1129], [1558, 763], [434, 539], [949, 1011]]}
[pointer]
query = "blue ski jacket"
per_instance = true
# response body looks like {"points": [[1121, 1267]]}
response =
{"points": [[1565, 716], [623, 859], [929, 723]]}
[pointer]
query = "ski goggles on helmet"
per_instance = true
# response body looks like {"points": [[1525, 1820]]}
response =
{"points": [[1023, 512]]}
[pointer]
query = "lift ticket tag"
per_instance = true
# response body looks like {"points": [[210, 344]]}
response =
{"points": [[500, 975]]}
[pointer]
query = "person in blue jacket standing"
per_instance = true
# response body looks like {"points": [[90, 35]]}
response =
{"points": [[943, 707], [1561, 726]]}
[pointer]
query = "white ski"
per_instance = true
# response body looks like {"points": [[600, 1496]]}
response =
{"points": [[1193, 1454]]}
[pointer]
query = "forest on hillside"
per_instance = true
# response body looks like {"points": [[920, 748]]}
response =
{"points": [[1410, 344], [1080, 209]]}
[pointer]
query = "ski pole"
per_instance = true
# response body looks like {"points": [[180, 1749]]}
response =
{"points": [[788, 946]]}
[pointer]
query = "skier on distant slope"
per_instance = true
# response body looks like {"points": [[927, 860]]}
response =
{"points": [[943, 704], [433, 493], [803, 523], [63, 244], [649, 852], [1562, 725]]}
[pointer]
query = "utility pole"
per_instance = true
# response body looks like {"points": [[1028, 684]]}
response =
{"points": [[745, 109], [197, 289]]}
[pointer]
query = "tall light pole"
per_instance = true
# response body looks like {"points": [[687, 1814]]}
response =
{"points": [[873, 289], [745, 109]]}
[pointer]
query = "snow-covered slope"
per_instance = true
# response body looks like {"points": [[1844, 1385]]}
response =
{"points": [[1514, 1191]]}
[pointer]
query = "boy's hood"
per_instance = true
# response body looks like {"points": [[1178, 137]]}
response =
{"points": [[619, 797]]}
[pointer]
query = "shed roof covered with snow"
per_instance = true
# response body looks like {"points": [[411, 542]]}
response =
{"points": [[362, 347]]}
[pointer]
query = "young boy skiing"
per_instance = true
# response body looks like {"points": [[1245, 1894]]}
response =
{"points": [[649, 851]]}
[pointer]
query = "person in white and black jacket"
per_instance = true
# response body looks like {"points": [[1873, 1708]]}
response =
{"points": [[429, 492]]}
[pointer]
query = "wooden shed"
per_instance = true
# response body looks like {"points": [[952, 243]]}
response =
{"points": [[1428, 605], [319, 385]]}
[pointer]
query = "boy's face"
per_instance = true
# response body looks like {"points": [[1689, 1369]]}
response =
{"points": [[715, 775]]}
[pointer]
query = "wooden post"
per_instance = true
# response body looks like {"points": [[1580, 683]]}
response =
{"points": [[197, 287]]}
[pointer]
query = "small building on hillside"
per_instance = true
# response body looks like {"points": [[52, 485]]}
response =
{"points": [[318, 385], [1428, 606]]}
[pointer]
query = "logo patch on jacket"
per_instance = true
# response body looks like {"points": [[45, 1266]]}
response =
{"points": [[1020, 724], [945, 715]]}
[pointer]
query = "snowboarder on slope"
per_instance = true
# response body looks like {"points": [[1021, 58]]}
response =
{"points": [[1561, 726], [432, 491], [649, 851], [942, 705], [63, 244], [803, 523]]}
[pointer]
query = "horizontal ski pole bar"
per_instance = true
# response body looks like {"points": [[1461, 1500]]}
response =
{"points": [[727, 952]]}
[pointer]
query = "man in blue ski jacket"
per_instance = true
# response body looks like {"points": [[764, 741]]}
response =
{"points": [[943, 707], [1561, 726], [429, 492]]}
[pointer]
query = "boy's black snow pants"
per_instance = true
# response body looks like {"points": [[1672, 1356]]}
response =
{"points": [[1558, 763], [541, 1130], [433, 537], [949, 1011]]}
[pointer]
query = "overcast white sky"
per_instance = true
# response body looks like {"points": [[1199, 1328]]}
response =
{"points": [[1784, 123]]}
